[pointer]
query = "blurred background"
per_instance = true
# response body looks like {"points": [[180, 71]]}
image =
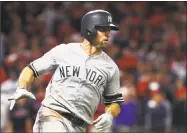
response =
{"points": [[149, 48]]}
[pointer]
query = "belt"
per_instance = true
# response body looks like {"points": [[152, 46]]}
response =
{"points": [[75, 120]]}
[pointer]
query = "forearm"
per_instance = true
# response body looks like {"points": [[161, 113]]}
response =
{"points": [[113, 108], [26, 77]]}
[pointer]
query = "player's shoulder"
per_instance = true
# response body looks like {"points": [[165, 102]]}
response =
{"points": [[109, 60], [68, 45], [65, 45]]}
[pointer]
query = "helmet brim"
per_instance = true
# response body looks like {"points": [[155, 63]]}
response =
{"points": [[112, 26]]}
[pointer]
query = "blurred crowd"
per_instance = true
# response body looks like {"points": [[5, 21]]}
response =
{"points": [[149, 48]]}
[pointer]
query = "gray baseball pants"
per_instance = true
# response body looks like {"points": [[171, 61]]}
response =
{"points": [[48, 120]]}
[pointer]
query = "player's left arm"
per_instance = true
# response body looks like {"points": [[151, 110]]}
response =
{"points": [[113, 108], [112, 99]]}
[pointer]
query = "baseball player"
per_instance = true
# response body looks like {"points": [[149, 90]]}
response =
{"points": [[84, 77]]}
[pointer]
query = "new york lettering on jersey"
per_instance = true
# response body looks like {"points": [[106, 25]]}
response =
{"points": [[93, 76]]}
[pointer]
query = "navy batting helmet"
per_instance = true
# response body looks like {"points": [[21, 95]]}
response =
{"points": [[94, 19]]}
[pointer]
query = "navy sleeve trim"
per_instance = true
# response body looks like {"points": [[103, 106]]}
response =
{"points": [[118, 98], [118, 102], [34, 70], [113, 96]]}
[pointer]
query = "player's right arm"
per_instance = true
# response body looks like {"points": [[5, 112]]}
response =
{"points": [[48, 62], [26, 77], [24, 81]]}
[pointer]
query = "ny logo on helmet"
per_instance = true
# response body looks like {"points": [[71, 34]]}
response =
{"points": [[109, 19]]}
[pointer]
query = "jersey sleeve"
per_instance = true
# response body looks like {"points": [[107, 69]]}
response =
{"points": [[112, 93], [46, 63]]}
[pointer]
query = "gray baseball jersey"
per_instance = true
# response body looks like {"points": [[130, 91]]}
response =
{"points": [[80, 82]]}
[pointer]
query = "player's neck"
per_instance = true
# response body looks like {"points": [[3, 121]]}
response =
{"points": [[90, 49]]}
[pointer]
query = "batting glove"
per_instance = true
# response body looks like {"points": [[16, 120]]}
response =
{"points": [[103, 122], [19, 94]]}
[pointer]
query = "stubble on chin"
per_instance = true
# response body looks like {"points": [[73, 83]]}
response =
{"points": [[102, 45]]}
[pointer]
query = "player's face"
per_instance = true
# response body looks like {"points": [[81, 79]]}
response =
{"points": [[102, 38]]}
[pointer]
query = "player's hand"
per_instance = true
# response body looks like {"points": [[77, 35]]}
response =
{"points": [[103, 122], [19, 94]]}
